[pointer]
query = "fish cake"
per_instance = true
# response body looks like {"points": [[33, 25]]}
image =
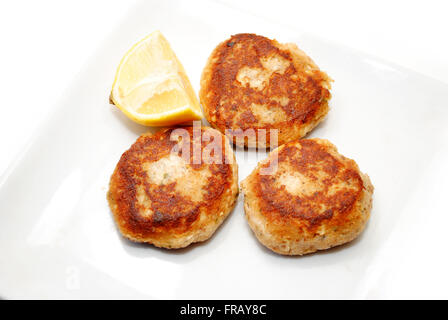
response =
{"points": [[167, 191], [252, 84], [306, 197]]}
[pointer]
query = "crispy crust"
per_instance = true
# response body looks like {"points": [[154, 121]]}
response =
{"points": [[158, 198], [252, 82], [316, 199]]}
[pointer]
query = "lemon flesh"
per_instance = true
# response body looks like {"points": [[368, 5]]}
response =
{"points": [[151, 86]]}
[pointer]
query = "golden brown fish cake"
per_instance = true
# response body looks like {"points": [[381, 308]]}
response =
{"points": [[316, 199], [171, 199], [252, 82]]}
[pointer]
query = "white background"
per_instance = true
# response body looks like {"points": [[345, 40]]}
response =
{"points": [[44, 47], [45, 43]]}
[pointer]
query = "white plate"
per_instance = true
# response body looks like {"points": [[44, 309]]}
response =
{"points": [[58, 240]]}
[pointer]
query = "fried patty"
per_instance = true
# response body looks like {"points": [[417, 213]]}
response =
{"points": [[251, 82], [171, 192], [314, 200]]}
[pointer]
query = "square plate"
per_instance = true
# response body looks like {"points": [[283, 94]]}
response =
{"points": [[58, 239]]}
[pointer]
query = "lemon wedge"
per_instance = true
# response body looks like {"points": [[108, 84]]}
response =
{"points": [[151, 86]]}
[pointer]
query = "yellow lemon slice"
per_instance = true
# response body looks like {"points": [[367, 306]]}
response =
{"points": [[151, 86]]}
